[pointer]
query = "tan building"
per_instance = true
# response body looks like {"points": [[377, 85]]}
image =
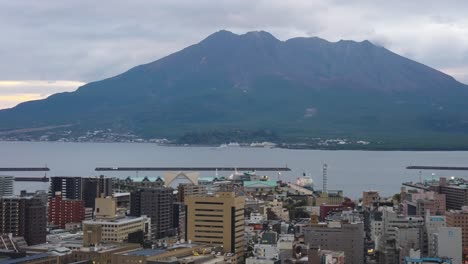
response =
{"points": [[330, 198], [218, 220], [188, 189], [115, 230], [369, 197], [106, 208], [459, 218], [100, 254]]}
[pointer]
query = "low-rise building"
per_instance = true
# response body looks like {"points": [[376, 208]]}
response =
{"points": [[369, 197], [114, 230]]}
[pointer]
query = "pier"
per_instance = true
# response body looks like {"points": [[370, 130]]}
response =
{"points": [[436, 168], [32, 179], [25, 169], [193, 169]]}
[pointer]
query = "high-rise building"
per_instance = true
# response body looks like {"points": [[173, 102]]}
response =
{"points": [[95, 187], [23, 216], [217, 219], [6, 185], [81, 188], [69, 187], [63, 211], [158, 204], [179, 219]]}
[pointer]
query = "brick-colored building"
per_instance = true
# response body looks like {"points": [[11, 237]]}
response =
{"points": [[63, 211]]}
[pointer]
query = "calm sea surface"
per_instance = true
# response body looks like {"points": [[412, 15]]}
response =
{"points": [[351, 171]]}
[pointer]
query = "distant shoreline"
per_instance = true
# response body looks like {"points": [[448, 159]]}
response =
{"points": [[279, 146]]}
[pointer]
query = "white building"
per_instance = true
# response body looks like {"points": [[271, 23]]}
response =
{"points": [[447, 242]]}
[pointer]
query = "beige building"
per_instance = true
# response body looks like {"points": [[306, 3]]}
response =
{"points": [[114, 230], [369, 197], [106, 208], [330, 198], [188, 189], [217, 220]]}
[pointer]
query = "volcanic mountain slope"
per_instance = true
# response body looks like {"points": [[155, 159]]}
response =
{"points": [[290, 90]]}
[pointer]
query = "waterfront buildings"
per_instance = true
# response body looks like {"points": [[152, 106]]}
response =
{"points": [[416, 202], [157, 204], [456, 195], [63, 211], [81, 188], [6, 185], [217, 219]]}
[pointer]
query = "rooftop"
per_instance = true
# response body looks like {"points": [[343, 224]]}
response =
{"points": [[122, 220], [145, 252]]}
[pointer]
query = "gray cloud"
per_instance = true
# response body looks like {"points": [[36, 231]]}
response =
{"points": [[90, 40]]}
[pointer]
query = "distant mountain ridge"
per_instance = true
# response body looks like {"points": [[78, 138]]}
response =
{"points": [[297, 89]]}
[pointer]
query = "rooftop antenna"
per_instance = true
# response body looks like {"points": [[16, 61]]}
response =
{"points": [[324, 178]]}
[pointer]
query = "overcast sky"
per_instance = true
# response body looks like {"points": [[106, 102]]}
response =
{"points": [[49, 46]]}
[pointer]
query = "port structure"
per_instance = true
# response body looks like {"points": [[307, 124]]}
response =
{"points": [[12, 169], [193, 169], [436, 168]]}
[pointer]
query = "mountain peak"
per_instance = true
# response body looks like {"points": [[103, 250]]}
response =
{"points": [[260, 35], [298, 88]]}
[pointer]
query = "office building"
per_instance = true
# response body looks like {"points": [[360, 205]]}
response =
{"points": [[157, 204], [394, 233], [217, 219], [338, 236], [114, 230], [6, 185], [187, 189], [417, 202], [25, 217], [456, 196], [63, 211]]}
